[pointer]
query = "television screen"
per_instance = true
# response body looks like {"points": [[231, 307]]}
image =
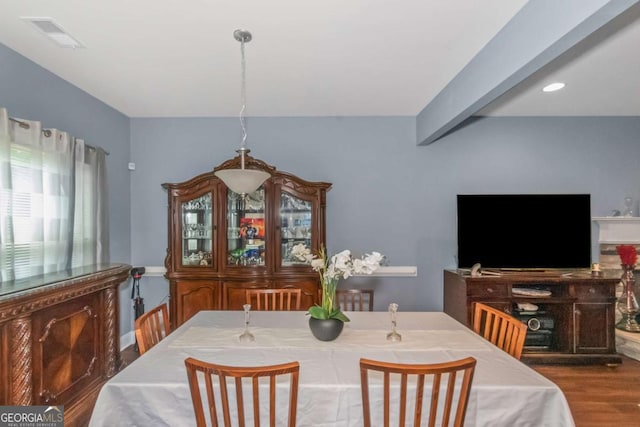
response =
{"points": [[524, 231]]}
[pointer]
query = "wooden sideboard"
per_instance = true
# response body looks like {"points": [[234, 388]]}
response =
{"points": [[577, 317], [59, 335]]}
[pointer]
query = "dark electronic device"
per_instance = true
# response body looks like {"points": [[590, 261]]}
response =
{"points": [[537, 322], [138, 301], [524, 231], [540, 329], [539, 340], [137, 272]]}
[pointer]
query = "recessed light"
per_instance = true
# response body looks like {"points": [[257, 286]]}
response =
{"points": [[553, 87], [53, 31]]}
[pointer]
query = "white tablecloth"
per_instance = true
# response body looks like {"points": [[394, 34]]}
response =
{"points": [[153, 390]]}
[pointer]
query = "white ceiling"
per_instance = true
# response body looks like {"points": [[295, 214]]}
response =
{"points": [[173, 58]]}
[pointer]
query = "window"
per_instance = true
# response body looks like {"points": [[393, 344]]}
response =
{"points": [[52, 202]]}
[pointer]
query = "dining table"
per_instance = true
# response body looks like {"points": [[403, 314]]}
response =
{"points": [[154, 391]]}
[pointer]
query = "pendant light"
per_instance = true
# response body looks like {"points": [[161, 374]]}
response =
{"points": [[242, 181]]}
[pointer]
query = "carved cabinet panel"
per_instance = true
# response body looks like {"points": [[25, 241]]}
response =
{"points": [[590, 336], [234, 292], [59, 337], [67, 344], [195, 295], [4, 364]]}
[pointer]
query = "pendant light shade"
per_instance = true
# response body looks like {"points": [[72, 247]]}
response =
{"points": [[242, 181]]}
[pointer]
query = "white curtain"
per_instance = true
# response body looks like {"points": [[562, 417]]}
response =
{"points": [[53, 212]]}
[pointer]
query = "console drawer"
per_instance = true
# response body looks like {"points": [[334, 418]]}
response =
{"points": [[487, 290], [593, 292]]}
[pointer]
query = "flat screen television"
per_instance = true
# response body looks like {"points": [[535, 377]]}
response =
{"points": [[524, 231]]}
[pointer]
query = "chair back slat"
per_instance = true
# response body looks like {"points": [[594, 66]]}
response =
{"points": [[417, 419], [355, 299], [224, 398], [274, 299], [454, 392], [213, 373], [151, 327], [499, 328]]}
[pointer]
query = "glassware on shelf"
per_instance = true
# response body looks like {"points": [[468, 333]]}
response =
{"points": [[295, 225], [247, 336], [201, 203], [197, 231], [246, 230], [393, 335]]}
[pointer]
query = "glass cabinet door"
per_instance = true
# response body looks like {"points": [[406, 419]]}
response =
{"points": [[246, 228], [197, 231], [295, 226]]}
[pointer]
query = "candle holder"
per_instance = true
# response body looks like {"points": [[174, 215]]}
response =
{"points": [[627, 303], [393, 312], [247, 336]]}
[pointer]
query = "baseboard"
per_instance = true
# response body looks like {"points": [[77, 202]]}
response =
{"points": [[127, 340]]}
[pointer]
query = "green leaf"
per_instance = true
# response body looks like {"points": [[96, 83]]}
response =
{"points": [[337, 314], [318, 312]]}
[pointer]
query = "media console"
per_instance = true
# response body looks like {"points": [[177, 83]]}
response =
{"points": [[570, 315]]}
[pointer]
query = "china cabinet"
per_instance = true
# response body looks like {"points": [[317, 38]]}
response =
{"points": [[221, 243]]}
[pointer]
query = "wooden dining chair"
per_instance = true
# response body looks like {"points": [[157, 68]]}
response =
{"points": [[500, 328], [355, 299], [450, 380], [152, 327], [220, 405], [274, 299]]}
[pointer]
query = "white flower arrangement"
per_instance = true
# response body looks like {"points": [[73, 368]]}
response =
{"points": [[339, 266]]}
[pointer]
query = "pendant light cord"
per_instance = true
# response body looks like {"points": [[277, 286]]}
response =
{"points": [[240, 180], [243, 96]]}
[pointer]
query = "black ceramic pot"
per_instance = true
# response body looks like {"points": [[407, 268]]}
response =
{"points": [[325, 329]]}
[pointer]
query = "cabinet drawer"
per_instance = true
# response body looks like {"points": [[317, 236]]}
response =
{"points": [[193, 296], [488, 289], [593, 292]]}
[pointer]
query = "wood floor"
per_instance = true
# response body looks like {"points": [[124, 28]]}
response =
{"points": [[598, 396]]}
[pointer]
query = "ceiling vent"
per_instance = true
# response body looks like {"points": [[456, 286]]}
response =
{"points": [[53, 31]]}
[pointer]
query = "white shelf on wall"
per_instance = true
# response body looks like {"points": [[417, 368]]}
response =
{"points": [[154, 271], [394, 271], [385, 271]]}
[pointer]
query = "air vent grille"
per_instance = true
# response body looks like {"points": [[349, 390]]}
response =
{"points": [[54, 32], [47, 26]]}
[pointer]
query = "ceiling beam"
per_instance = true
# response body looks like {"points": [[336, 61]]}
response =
{"points": [[540, 32]]}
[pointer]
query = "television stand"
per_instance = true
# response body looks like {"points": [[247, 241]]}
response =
{"points": [[576, 310]]}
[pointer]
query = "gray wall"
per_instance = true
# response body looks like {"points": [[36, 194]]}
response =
{"points": [[388, 194], [30, 92]]}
